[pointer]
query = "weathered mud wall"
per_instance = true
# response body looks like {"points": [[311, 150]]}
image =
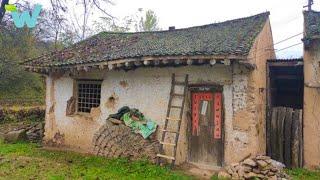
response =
{"points": [[311, 110], [249, 102], [146, 89]]}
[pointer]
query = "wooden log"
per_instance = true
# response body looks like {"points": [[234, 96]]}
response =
{"points": [[177, 61], [128, 64], [86, 68], [200, 61], [189, 61], [281, 118], [156, 62], [268, 129], [110, 66], [146, 63], [213, 62], [226, 62], [119, 65], [101, 66], [165, 62], [79, 68], [300, 165], [287, 137], [295, 140], [274, 133], [137, 63]]}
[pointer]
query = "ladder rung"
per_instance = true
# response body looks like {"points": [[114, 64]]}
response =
{"points": [[167, 157], [173, 119], [170, 131], [165, 143], [179, 83], [180, 95], [178, 107]]}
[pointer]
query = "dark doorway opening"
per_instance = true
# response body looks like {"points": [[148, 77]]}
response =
{"points": [[286, 83]]}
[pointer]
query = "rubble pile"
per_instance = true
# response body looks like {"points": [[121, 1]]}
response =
{"points": [[24, 132], [261, 167], [35, 133]]}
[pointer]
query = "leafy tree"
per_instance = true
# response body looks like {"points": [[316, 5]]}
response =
{"points": [[140, 21], [149, 22]]}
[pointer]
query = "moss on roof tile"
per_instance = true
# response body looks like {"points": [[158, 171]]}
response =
{"points": [[234, 37], [312, 24]]}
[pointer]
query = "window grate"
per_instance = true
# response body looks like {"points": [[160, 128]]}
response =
{"points": [[89, 94]]}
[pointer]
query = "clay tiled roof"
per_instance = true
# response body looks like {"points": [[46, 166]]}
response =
{"points": [[234, 37], [312, 24]]}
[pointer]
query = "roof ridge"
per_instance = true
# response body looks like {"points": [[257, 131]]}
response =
{"points": [[312, 11], [267, 13]]}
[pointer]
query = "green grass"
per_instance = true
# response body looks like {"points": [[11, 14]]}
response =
{"points": [[28, 161], [304, 174]]}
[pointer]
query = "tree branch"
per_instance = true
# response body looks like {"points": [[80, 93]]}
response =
{"points": [[2, 9]]}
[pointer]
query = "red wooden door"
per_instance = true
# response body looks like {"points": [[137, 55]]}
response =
{"points": [[206, 142]]}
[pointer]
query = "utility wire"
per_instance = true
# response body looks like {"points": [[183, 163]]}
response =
{"points": [[288, 38], [278, 50], [289, 47], [279, 42]]}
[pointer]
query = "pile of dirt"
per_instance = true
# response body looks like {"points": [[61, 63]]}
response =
{"points": [[260, 167], [115, 140]]}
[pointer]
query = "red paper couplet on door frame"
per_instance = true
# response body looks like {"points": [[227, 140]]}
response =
{"points": [[217, 115], [196, 100], [195, 113]]}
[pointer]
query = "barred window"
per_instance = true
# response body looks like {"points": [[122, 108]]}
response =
{"points": [[89, 94]]}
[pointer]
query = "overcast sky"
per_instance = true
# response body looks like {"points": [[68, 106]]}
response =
{"points": [[286, 15]]}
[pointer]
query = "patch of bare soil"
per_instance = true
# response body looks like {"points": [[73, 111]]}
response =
{"points": [[199, 172]]}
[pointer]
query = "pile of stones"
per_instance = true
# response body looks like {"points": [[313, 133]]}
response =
{"points": [[260, 167], [35, 133], [30, 133]]}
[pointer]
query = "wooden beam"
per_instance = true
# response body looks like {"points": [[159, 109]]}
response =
{"points": [[146, 63], [189, 61], [213, 62], [86, 68], [165, 62], [226, 62], [288, 77], [128, 64], [200, 61], [156, 62], [286, 64], [110, 66], [177, 61], [137, 63], [162, 59]]}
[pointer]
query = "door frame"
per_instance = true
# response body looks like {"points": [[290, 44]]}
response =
{"points": [[205, 88]]}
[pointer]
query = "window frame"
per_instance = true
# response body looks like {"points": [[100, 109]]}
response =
{"points": [[76, 91]]}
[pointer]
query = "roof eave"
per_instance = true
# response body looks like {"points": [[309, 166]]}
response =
{"points": [[150, 61]]}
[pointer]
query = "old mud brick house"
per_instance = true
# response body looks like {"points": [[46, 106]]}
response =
{"points": [[311, 109], [135, 69]]}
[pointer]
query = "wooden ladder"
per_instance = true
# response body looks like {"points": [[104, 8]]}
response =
{"points": [[168, 119]]}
